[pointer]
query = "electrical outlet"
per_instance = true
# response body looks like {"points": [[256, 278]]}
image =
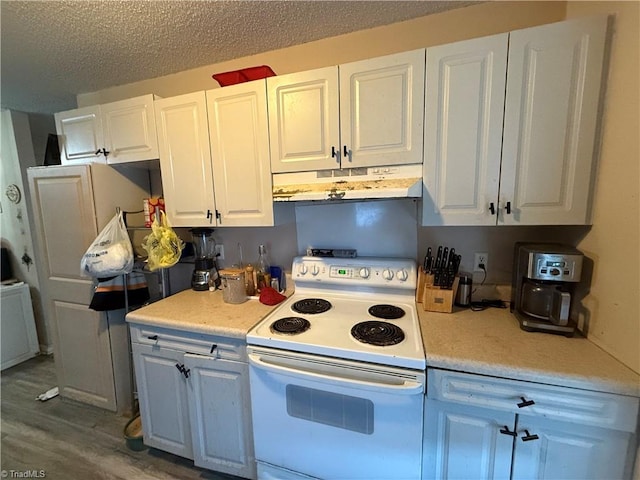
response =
{"points": [[219, 252], [481, 259]]}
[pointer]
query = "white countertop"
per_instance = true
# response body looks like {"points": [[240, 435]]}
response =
{"points": [[487, 343], [491, 342]]}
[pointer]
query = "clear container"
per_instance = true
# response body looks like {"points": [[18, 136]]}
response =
{"points": [[233, 286], [263, 273]]}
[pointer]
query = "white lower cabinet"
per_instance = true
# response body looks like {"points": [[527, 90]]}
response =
{"points": [[490, 428], [193, 392]]}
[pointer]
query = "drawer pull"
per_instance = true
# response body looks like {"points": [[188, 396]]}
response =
{"points": [[528, 437], [525, 403], [181, 368], [505, 431], [152, 337], [213, 347]]}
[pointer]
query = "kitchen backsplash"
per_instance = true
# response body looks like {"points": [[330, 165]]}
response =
{"points": [[382, 228]]}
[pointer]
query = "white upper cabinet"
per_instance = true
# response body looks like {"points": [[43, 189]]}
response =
{"points": [[185, 160], [117, 132], [214, 157], [130, 130], [365, 113], [80, 135], [239, 136], [551, 112], [465, 86], [524, 157], [303, 121]]}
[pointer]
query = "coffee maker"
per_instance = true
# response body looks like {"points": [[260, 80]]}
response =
{"points": [[205, 272], [544, 279]]}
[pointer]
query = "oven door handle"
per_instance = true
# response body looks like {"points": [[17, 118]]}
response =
{"points": [[407, 387]]}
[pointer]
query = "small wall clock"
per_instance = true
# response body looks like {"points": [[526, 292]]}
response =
{"points": [[13, 193]]}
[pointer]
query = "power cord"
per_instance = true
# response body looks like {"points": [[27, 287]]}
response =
{"points": [[484, 303]]}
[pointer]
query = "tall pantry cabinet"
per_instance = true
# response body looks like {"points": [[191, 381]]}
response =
{"points": [[71, 205], [510, 126]]}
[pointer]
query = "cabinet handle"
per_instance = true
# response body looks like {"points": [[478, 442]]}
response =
{"points": [[525, 403], [346, 152], [492, 208], [508, 208], [209, 215], [334, 153], [99, 151], [528, 437], [505, 431], [213, 347], [152, 337], [180, 367], [185, 372]]}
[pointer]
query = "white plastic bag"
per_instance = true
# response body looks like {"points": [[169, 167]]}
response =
{"points": [[111, 253]]}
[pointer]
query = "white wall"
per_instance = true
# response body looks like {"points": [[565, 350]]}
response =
{"points": [[16, 155]]}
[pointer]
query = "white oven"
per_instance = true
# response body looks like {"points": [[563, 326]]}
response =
{"points": [[337, 374], [334, 419]]}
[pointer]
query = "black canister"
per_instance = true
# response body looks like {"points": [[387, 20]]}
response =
{"points": [[463, 295]]}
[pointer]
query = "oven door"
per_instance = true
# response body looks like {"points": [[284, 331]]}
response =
{"points": [[335, 419]]}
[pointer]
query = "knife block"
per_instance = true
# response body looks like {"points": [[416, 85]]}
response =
{"points": [[436, 299]]}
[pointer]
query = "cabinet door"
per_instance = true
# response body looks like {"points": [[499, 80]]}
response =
{"points": [[571, 451], [185, 160], [239, 135], [382, 110], [80, 134], [551, 109], [220, 415], [303, 121], [130, 130], [19, 341], [81, 340], [465, 84], [464, 442], [162, 393], [82, 351]]}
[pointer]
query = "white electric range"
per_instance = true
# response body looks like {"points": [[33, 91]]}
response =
{"points": [[338, 371]]}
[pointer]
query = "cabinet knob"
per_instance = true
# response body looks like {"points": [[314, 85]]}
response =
{"points": [[492, 208], [528, 437], [505, 431], [213, 347], [525, 403], [152, 337], [508, 208]]}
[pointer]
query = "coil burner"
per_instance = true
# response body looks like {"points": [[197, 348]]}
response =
{"points": [[388, 312], [311, 306], [377, 333], [290, 325]]}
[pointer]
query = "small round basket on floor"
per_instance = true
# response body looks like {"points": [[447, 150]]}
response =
{"points": [[133, 434]]}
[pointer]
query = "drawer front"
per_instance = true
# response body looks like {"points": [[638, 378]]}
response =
{"points": [[188, 342], [525, 398]]}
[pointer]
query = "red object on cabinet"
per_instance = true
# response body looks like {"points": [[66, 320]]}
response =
{"points": [[243, 75]]}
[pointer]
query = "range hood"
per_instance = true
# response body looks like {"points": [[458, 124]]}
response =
{"points": [[396, 181]]}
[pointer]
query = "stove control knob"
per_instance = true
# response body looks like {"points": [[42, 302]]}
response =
{"points": [[302, 269], [402, 275], [315, 270], [364, 272], [387, 274]]}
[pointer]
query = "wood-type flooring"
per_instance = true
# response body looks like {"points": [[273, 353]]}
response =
{"points": [[67, 440]]}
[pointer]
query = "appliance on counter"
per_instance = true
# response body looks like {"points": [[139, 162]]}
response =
{"points": [[339, 368], [205, 271], [544, 278]]}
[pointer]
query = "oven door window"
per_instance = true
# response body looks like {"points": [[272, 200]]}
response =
{"points": [[328, 408]]}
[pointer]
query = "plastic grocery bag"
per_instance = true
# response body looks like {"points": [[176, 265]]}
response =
{"points": [[111, 252], [162, 245]]}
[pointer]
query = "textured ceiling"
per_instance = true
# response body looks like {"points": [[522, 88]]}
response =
{"points": [[52, 50]]}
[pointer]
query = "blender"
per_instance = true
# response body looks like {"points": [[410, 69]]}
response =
{"points": [[205, 273]]}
